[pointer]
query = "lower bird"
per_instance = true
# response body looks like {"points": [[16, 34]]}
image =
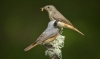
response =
{"points": [[47, 36]]}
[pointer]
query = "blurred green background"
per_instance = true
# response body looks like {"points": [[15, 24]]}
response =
{"points": [[21, 22]]}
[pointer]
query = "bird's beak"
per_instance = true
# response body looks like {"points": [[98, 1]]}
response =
{"points": [[42, 9]]}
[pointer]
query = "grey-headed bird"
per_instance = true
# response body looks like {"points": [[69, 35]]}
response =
{"points": [[54, 14], [47, 36]]}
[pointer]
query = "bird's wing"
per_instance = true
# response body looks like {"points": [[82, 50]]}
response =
{"points": [[61, 18], [43, 37], [46, 35]]}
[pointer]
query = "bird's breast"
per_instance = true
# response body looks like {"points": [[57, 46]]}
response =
{"points": [[51, 16], [50, 39]]}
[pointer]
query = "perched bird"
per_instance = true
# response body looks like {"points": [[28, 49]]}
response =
{"points": [[47, 36], [54, 14]]}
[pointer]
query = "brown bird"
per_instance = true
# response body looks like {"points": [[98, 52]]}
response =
{"points": [[47, 36], [54, 14]]}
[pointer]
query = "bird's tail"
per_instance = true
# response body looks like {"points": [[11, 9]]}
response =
{"points": [[30, 47], [73, 28]]}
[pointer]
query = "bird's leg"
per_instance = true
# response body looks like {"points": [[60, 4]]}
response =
{"points": [[61, 30], [48, 46]]}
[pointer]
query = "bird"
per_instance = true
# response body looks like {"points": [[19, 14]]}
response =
{"points": [[47, 36], [54, 14]]}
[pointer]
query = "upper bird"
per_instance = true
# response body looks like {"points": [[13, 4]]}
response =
{"points": [[47, 36], [54, 14]]}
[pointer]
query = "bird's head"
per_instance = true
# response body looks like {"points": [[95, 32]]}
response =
{"points": [[53, 23], [48, 8]]}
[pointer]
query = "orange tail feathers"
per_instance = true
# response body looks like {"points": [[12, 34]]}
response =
{"points": [[73, 28], [62, 24], [30, 47]]}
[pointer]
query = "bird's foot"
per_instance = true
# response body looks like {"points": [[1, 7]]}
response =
{"points": [[61, 31]]}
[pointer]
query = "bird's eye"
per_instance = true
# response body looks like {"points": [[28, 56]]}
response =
{"points": [[55, 23], [48, 7]]}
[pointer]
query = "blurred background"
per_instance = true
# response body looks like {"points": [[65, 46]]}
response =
{"points": [[21, 22]]}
